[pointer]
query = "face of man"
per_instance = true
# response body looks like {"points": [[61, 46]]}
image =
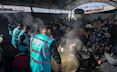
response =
{"points": [[96, 25], [49, 32], [110, 21]]}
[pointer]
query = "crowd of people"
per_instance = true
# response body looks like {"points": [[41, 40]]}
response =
{"points": [[40, 46], [101, 36]]}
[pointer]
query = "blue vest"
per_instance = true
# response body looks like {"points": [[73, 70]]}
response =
{"points": [[26, 41], [11, 27], [16, 32], [40, 53]]}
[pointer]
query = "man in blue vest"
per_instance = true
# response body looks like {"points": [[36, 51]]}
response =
{"points": [[11, 27], [42, 47], [16, 32], [24, 39]]}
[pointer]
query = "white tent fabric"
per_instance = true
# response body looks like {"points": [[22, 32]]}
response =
{"points": [[10, 9]]}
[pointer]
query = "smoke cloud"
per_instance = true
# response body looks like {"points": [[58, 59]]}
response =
{"points": [[71, 44], [25, 19]]}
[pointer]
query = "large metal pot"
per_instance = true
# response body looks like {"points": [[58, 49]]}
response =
{"points": [[69, 62]]}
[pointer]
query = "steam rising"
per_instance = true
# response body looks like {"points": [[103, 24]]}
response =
{"points": [[34, 22], [25, 19], [72, 43], [71, 39]]}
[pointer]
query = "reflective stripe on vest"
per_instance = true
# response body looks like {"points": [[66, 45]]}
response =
{"points": [[40, 62], [38, 52]]}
